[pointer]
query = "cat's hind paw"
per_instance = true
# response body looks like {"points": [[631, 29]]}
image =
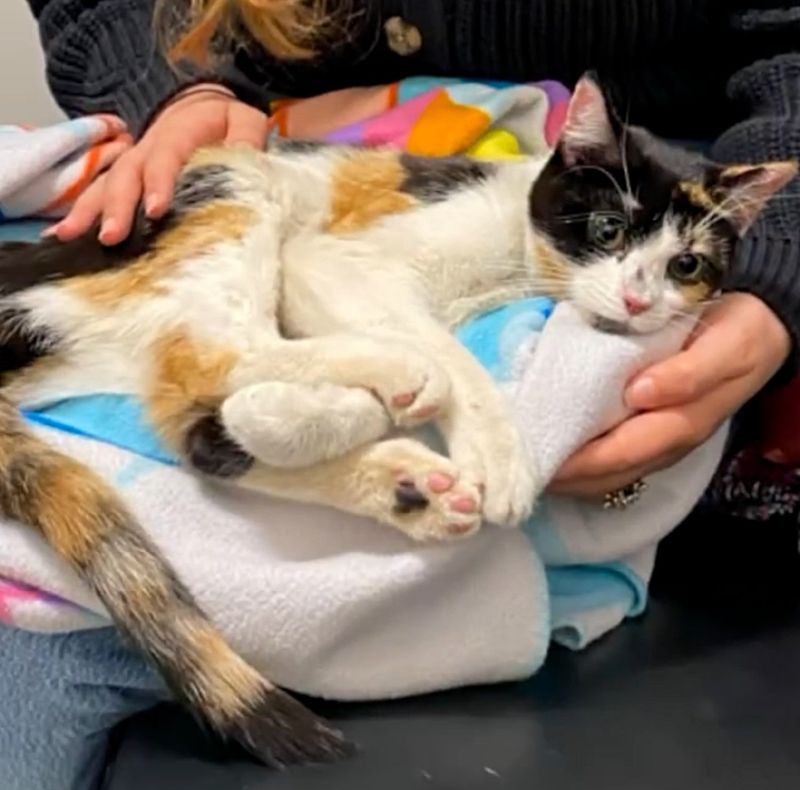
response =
{"points": [[424, 495]]}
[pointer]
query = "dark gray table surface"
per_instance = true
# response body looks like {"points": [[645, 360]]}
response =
{"points": [[702, 693]]}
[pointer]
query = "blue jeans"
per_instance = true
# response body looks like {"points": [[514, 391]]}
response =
{"points": [[60, 696]]}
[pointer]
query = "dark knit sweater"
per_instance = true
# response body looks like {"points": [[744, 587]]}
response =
{"points": [[727, 70]]}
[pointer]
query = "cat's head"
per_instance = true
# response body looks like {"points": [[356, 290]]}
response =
{"points": [[635, 231]]}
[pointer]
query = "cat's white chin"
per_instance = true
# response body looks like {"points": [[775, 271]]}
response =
{"points": [[621, 324]]}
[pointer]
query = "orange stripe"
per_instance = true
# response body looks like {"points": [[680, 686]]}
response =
{"points": [[394, 90], [84, 179], [281, 119]]}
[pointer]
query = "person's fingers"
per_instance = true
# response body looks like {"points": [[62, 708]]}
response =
{"points": [[709, 362], [739, 339], [638, 442], [246, 125], [123, 190], [597, 487], [84, 213], [114, 123], [161, 170]]}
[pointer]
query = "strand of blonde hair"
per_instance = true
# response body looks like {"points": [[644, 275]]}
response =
{"points": [[287, 29]]}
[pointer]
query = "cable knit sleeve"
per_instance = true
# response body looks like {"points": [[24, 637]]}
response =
{"points": [[768, 258], [102, 56]]}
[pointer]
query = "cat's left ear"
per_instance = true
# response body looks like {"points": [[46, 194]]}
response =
{"points": [[746, 189], [589, 133]]}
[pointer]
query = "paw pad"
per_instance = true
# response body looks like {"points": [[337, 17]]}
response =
{"points": [[408, 497], [438, 482]]}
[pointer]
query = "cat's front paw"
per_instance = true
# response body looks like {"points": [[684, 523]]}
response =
{"points": [[511, 490], [412, 388], [496, 455], [423, 493]]}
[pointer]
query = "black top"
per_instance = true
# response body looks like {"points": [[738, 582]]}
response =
{"points": [[723, 70]]}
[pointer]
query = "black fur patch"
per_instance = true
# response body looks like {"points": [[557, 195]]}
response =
{"points": [[22, 342], [25, 265], [201, 185], [563, 197], [409, 498], [432, 179], [300, 146], [279, 731], [211, 451]]}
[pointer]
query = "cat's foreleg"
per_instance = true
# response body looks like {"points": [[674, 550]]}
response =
{"points": [[292, 425], [411, 387], [482, 436]]}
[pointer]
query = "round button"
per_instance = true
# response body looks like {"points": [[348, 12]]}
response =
{"points": [[402, 37]]}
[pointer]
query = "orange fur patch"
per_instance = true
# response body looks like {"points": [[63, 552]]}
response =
{"points": [[551, 269], [698, 194], [364, 188], [195, 234], [224, 681], [696, 293], [48, 491], [190, 379]]}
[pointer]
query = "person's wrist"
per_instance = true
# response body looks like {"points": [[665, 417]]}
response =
{"points": [[198, 92]]}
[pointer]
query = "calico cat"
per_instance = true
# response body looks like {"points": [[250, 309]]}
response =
{"points": [[296, 305]]}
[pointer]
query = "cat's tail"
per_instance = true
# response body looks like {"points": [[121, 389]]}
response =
{"points": [[86, 523]]}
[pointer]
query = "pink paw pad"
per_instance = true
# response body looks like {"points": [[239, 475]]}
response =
{"points": [[463, 504], [438, 482], [404, 399]]}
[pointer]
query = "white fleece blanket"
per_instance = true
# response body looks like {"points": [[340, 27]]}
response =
{"points": [[334, 606]]}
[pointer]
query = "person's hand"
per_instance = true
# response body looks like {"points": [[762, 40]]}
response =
{"points": [[148, 170], [737, 348]]}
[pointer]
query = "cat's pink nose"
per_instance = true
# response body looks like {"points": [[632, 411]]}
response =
{"points": [[635, 305]]}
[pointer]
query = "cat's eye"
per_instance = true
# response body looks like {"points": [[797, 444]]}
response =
{"points": [[686, 268], [607, 230]]}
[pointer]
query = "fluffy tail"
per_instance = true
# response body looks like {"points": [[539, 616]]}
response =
{"points": [[85, 522]]}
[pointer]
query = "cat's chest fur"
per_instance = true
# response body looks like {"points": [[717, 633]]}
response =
{"points": [[456, 227]]}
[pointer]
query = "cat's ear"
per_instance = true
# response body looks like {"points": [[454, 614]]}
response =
{"points": [[744, 190], [589, 133]]}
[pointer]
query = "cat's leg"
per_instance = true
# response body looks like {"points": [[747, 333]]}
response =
{"points": [[397, 482], [409, 384], [482, 437], [292, 425]]}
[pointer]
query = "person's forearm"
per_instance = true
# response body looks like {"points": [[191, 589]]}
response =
{"points": [[103, 57], [768, 259]]}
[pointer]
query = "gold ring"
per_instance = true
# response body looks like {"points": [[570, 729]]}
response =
{"points": [[624, 497]]}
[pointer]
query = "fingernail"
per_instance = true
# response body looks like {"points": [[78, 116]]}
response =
{"points": [[107, 231], [776, 456], [151, 205], [641, 392], [51, 231]]}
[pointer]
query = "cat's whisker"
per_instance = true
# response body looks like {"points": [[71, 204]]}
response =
{"points": [[625, 171]]}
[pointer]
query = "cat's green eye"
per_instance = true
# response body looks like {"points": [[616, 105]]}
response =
{"points": [[607, 230], [686, 268]]}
